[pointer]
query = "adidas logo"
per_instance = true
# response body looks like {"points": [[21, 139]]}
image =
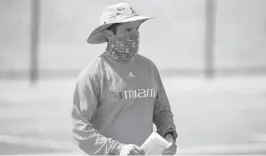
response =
{"points": [[131, 75]]}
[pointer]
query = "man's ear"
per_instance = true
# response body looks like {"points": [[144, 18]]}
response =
{"points": [[108, 33]]}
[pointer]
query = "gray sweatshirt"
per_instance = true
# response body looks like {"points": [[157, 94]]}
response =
{"points": [[116, 103]]}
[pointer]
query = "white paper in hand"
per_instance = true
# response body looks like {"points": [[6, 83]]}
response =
{"points": [[155, 144]]}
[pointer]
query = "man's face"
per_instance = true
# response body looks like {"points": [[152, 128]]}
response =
{"points": [[123, 40]]}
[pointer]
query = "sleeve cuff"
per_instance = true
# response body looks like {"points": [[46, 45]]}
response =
{"points": [[170, 130]]}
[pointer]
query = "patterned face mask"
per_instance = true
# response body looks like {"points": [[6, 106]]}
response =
{"points": [[123, 48]]}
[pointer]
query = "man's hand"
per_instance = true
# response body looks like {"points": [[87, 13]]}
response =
{"points": [[171, 150], [131, 149]]}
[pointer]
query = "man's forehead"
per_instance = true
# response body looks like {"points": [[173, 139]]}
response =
{"points": [[129, 24]]}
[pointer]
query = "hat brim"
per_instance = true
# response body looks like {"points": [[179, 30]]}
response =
{"points": [[97, 37]]}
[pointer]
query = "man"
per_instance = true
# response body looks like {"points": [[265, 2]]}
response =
{"points": [[119, 95]]}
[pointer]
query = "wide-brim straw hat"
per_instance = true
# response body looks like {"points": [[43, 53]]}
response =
{"points": [[117, 13]]}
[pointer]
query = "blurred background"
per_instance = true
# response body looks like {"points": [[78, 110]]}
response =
{"points": [[211, 55]]}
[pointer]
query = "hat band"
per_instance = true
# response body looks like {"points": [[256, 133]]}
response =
{"points": [[118, 19]]}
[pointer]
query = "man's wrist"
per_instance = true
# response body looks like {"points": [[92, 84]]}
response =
{"points": [[169, 133], [169, 137]]}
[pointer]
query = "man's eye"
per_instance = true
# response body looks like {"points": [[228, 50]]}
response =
{"points": [[128, 29]]}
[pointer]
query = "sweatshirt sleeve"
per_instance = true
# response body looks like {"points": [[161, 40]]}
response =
{"points": [[85, 104], [163, 117]]}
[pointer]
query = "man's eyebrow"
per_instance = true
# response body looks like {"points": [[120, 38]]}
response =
{"points": [[113, 26]]}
